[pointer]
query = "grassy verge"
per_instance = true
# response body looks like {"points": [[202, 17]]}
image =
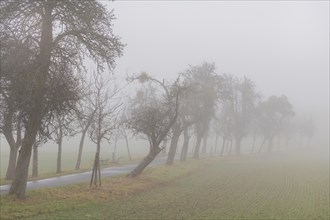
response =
{"points": [[68, 171], [81, 196], [249, 187]]}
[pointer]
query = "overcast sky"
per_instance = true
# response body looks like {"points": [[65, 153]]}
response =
{"points": [[282, 46]]}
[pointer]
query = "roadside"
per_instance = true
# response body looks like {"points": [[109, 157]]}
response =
{"points": [[57, 181], [81, 196]]}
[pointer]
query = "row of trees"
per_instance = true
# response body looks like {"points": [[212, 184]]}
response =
{"points": [[45, 95], [201, 102], [43, 48]]}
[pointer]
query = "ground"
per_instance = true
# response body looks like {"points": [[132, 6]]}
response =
{"points": [[268, 186]]}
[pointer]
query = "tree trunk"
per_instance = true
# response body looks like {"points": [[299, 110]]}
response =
{"points": [[223, 145], [270, 144], [14, 145], [81, 146], [238, 146], [164, 147], [278, 142], [35, 161], [231, 146], [173, 147], [11, 164], [59, 154], [145, 162], [253, 143], [127, 146], [114, 151], [18, 186], [262, 144], [198, 145], [216, 144], [287, 143], [96, 173], [204, 149], [184, 149]]}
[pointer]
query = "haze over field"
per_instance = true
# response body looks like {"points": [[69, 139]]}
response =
{"points": [[184, 109], [282, 46]]}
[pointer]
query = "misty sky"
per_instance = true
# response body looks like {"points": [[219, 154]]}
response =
{"points": [[282, 46]]}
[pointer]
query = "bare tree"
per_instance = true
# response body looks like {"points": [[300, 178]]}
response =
{"points": [[184, 121], [153, 112], [62, 127], [105, 118], [85, 116], [205, 84], [305, 128], [84, 30], [242, 104], [272, 113]]}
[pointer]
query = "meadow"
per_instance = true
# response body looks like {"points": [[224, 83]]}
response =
{"points": [[268, 186]]}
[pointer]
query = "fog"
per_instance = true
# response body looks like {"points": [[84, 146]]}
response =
{"points": [[282, 46]]}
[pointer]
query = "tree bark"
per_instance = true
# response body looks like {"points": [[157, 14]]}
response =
{"points": [[270, 144], [197, 147], [59, 153], [278, 142], [81, 146], [127, 146], [204, 149], [35, 172], [216, 143], [14, 145], [238, 146], [173, 147], [184, 149], [145, 162], [262, 144], [11, 164], [114, 151], [230, 145], [253, 143], [18, 186], [223, 145]]}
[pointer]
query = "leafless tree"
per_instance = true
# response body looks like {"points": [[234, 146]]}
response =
{"points": [[153, 112], [205, 84], [241, 102], [272, 113], [84, 117], [61, 34], [105, 119]]}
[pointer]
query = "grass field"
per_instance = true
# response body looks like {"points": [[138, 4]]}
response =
{"points": [[276, 186]]}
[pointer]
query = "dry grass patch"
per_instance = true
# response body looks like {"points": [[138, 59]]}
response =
{"points": [[76, 196]]}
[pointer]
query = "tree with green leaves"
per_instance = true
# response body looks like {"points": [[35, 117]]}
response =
{"points": [[60, 34]]}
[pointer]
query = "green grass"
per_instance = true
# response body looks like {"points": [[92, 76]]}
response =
{"points": [[273, 186]]}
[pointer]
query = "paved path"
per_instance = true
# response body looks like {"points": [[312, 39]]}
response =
{"points": [[80, 177]]}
